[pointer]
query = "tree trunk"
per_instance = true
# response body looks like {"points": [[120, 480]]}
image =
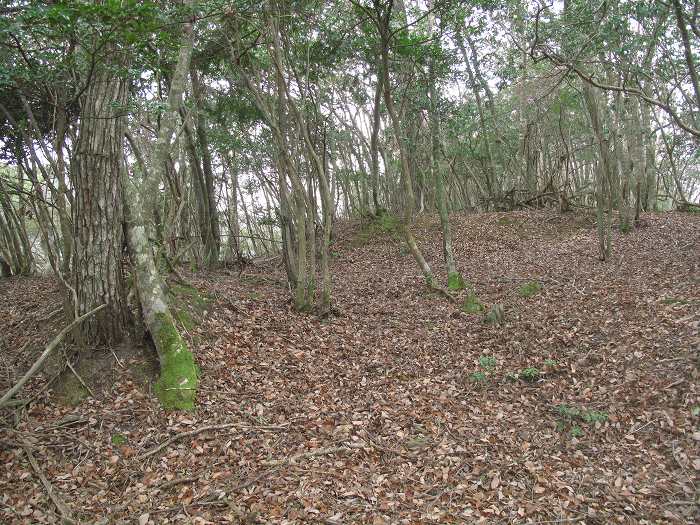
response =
{"points": [[176, 387], [602, 173], [98, 214], [211, 241], [454, 279]]}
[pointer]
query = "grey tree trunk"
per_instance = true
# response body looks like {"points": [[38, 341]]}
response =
{"points": [[406, 177], [454, 279], [176, 387], [602, 174], [212, 241]]}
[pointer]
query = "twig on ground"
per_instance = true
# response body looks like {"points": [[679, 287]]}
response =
{"points": [[60, 505], [121, 365], [45, 354], [75, 373], [314, 453], [174, 482], [192, 433], [635, 430]]}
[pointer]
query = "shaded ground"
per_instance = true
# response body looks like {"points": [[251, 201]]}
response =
{"points": [[403, 409]]}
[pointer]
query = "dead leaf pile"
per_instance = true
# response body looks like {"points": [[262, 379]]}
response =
{"points": [[583, 406]]}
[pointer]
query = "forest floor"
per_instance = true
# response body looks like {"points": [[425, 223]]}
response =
{"points": [[582, 407]]}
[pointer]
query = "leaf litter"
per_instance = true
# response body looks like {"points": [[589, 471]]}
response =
{"points": [[373, 415]]}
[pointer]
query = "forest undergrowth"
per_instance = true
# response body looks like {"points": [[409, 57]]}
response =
{"points": [[578, 404]]}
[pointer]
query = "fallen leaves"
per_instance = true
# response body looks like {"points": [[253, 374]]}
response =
{"points": [[370, 416]]}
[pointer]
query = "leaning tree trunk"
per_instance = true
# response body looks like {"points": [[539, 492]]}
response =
{"points": [[98, 211], [409, 196], [176, 387]]}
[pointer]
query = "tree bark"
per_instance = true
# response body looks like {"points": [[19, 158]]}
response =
{"points": [[98, 214]]}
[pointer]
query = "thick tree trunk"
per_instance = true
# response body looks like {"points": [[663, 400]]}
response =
{"points": [[98, 213]]}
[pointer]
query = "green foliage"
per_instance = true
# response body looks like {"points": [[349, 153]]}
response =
{"points": [[383, 223], [455, 282], [687, 207], [594, 416], [550, 362], [472, 305], [478, 377], [529, 289], [387, 223], [118, 439], [588, 416], [487, 362], [530, 374], [576, 431], [568, 411], [268, 221], [573, 417]]}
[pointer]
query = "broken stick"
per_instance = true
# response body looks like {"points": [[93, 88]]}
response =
{"points": [[50, 348], [63, 509]]}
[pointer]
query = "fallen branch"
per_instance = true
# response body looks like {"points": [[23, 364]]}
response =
{"points": [[75, 373], [60, 505], [439, 289], [314, 453], [175, 482], [191, 433], [50, 348]]}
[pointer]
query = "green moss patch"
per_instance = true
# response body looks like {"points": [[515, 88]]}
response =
{"points": [[455, 282], [472, 304], [177, 385], [381, 224], [688, 207], [118, 439], [529, 289]]}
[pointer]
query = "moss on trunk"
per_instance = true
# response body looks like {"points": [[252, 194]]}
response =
{"points": [[177, 386], [455, 281]]}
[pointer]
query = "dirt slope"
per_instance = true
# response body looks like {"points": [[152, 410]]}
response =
{"points": [[404, 409]]}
